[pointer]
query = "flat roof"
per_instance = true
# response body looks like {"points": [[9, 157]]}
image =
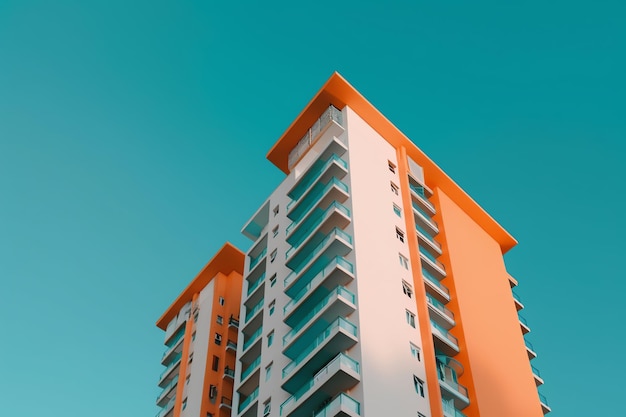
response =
{"points": [[226, 260], [338, 92]]}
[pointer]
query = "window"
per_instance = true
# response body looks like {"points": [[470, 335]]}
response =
{"points": [[221, 301], [419, 385], [410, 318], [184, 403], [187, 379], [420, 414], [273, 280], [397, 210], [216, 363], [272, 305], [415, 351], [407, 289], [219, 319], [270, 338], [276, 209], [403, 261], [195, 317], [212, 391], [268, 371], [275, 231], [400, 235], [191, 357], [193, 336], [267, 407], [218, 339], [392, 166], [273, 255], [394, 188]]}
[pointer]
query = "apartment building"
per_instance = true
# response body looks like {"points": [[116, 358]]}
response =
{"points": [[374, 285], [201, 329]]}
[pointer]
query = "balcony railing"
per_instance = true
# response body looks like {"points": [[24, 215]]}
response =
{"points": [[229, 372], [425, 215], [340, 360], [254, 365], [231, 345], [233, 322], [250, 313], [255, 261], [226, 402], [445, 333], [337, 261], [320, 217], [167, 388], [336, 232], [253, 338], [427, 235], [450, 410], [255, 284], [172, 364], [435, 281], [331, 114], [245, 403], [312, 176], [431, 258], [167, 408], [342, 401], [536, 371], [543, 399], [440, 307], [313, 198], [454, 385], [173, 342], [340, 291], [319, 340]]}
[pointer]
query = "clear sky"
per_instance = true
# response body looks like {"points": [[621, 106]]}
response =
{"points": [[133, 137]]}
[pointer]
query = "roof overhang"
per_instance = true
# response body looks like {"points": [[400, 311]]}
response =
{"points": [[338, 92]]}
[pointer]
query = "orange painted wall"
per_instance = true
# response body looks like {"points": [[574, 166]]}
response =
{"points": [[229, 287], [497, 369]]}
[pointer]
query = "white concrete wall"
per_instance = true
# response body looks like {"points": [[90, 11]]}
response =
{"points": [[387, 366], [200, 347]]}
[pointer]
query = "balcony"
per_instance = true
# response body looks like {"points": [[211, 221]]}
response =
{"points": [[335, 243], [329, 124], [167, 393], [229, 373], [448, 371], [254, 285], [530, 350], [444, 341], [322, 170], [431, 263], [168, 408], [429, 241], [226, 403], [339, 303], [252, 338], [170, 371], [449, 410], [309, 232], [537, 375], [233, 322], [440, 313], [423, 218], [255, 227], [337, 337], [544, 404], [340, 374], [252, 311], [421, 193], [320, 195], [251, 368], [439, 291], [231, 345], [337, 272], [245, 404], [518, 301], [254, 260], [523, 324], [176, 347], [342, 406]]}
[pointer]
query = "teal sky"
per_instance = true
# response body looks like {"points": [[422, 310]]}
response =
{"points": [[132, 145]]}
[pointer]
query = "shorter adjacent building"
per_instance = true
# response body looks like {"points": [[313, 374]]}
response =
{"points": [[201, 328]]}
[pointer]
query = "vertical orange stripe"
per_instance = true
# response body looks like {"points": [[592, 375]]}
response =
{"points": [[184, 360], [428, 347]]}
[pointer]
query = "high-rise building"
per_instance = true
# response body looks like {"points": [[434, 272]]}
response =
{"points": [[201, 329], [375, 286]]}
